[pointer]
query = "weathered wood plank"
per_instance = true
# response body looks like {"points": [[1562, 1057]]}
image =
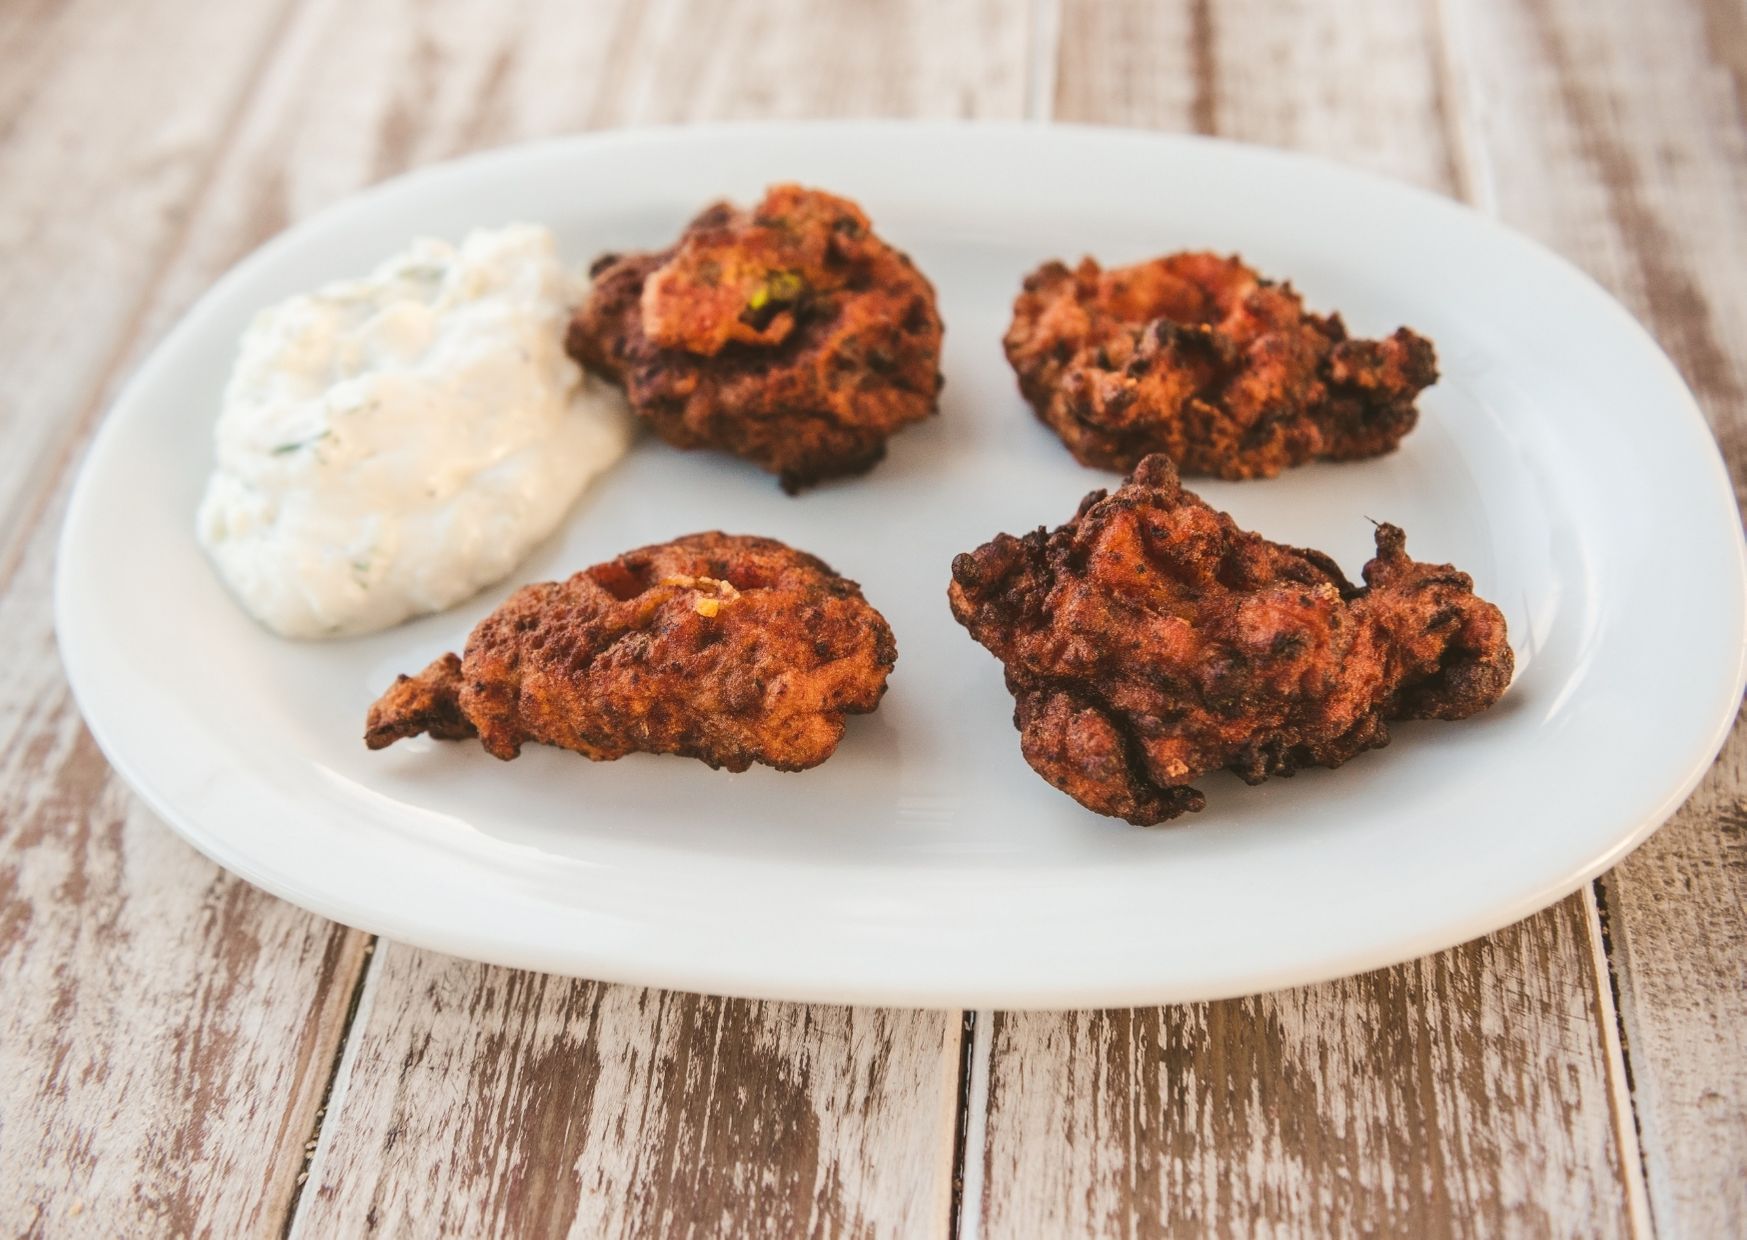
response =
{"points": [[167, 1030], [1404, 1102], [110, 121], [351, 94], [1614, 132], [485, 1101], [1469, 1092], [364, 92], [1360, 84]]}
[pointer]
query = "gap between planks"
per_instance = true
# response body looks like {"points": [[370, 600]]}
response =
{"points": [[969, 1174], [339, 1058], [1622, 1101]]}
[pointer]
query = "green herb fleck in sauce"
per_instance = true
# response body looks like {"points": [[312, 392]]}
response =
{"points": [[287, 448]]}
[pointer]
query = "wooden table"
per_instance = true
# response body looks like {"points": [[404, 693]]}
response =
{"points": [[183, 1055]]}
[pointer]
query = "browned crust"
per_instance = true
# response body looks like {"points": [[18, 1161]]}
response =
{"points": [[1150, 641], [730, 649], [788, 334], [1196, 356]]}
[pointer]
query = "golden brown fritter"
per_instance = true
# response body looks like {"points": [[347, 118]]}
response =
{"points": [[788, 334], [726, 648], [1200, 358], [1149, 641]]}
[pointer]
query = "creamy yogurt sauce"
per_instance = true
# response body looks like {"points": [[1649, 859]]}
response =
{"points": [[388, 446]]}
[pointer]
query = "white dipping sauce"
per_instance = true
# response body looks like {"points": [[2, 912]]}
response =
{"points": [[390, 445]]}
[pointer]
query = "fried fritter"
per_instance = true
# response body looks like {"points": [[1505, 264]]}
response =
{"points": [[726, 648], [1200, 358], [789, 334], [1149, 641]]}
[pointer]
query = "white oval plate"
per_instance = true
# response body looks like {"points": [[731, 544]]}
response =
{"points": [[1561, 461]]}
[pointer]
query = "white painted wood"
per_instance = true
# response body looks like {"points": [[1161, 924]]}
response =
{"points": [[1455, 1096], [111, 118], [362, 92], [485, 1101], [167, 1030], [1359, 83]]}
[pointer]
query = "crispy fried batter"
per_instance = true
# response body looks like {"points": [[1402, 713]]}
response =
{"points": [[789, 334], [1149, 641], [1198, 357], [726, 648]]}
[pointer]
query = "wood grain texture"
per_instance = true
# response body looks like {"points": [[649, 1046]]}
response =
{"points": [[363, 91], [1358, 83], [1473, 1091], [1404, 1102], [1614, 132], [167, 1029], [485, 1101], [102, 153]]}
